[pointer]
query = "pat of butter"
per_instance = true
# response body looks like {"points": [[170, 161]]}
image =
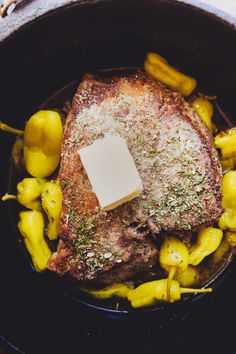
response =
{"points": [[111, 171]]}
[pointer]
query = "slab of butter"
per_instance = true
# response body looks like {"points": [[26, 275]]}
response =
{"points": [[111, 171]]}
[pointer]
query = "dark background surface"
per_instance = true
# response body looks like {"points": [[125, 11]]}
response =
{"points": [[35, 314], [44, 322]]}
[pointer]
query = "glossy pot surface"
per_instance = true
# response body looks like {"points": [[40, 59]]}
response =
{"points": [[42, 50]]}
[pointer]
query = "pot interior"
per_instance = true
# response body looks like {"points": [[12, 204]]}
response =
{"points": [[58, 48]]}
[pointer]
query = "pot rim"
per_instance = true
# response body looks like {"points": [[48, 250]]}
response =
{"points": [[30, 11], [212, 10]]}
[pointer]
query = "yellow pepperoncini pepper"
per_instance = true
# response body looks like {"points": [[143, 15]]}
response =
{"points": [[150, 293], [204, 109], [228, 164], [220, 253], [173, 255], [231, 238], [29, 191], [228, 219], [52, 205], [31, 226], [187, 277], [116, 289], [229, 190], [42, 143], [6, 128], [157, 67], [17, 152], [226, 142], [208, 240], [17, 149]]}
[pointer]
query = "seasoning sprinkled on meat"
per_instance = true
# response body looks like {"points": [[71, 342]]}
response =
{"points": [[176, 159]]}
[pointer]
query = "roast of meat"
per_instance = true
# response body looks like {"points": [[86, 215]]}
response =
{"points": [[176, 159]]}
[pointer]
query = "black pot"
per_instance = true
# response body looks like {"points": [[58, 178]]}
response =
{"points": [[46, 45]]}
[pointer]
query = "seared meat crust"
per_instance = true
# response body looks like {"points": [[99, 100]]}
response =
{"points": [[175, 156]]}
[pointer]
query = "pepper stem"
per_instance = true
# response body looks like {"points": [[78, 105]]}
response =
{"points": [[8, 197], [7, 128], [169, 280], [189, 290]]}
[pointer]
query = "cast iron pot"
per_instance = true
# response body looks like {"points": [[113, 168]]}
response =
{"points": [[43, 47]]}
